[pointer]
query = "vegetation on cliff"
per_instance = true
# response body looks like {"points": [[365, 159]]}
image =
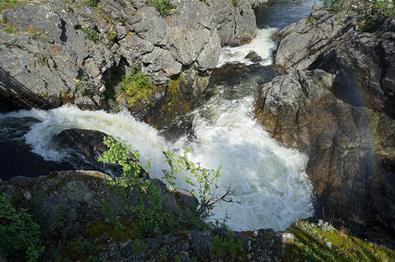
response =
{"points": [[372, 13], [322, 242], [136, 86], [18, 232]]}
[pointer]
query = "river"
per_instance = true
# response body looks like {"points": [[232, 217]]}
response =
{"points": [[268, 179]]}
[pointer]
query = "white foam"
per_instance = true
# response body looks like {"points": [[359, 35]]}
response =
{"points": [[268, 179], [262, 44]]}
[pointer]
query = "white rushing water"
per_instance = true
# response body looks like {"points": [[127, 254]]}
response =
{"points": [[267, 178], [262, 44]]}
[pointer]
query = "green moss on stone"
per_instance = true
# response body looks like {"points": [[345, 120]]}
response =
{"points": [[315, 243], [136, 87]]}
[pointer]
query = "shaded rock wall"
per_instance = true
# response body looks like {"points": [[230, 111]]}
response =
{"points": [[335, 104]]}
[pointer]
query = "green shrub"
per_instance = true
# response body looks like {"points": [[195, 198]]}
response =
{"points": [[204, 181], [227, 246], [147, 209], [164, 7], [375, 14], [136, 86], [92, 34], [18, 231], [112, 35]]}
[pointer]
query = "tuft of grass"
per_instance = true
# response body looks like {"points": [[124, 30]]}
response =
{"points": [[136, 87], [324, 243], [234, 2], [164, 7], [91, 3], [311, 20], [92, 34]]}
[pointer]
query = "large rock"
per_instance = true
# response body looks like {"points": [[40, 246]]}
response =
{"points": [[351, 149], [364, 63], [236, 24], [76, 198]]}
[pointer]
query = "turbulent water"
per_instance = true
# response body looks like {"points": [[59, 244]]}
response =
{"points": [[268, 179], [262, 45]]}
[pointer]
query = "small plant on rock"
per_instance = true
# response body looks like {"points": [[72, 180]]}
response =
{"points": [[203, 181], [164, 7], [227, 246], [18, 231], [147, 208], [91, 3], [136, 87], [92, 34], [376, 12]]}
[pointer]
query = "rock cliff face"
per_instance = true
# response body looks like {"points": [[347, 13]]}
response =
{"points": [[336, 104], [362, 62], [56, 52]]}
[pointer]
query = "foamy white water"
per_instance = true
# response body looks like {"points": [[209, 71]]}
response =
{"points": [[267, 178], [262, 44]]}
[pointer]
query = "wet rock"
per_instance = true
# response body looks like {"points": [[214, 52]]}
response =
{"points": [[17, 158], [71, 201], [85, 148], [254, 57]]}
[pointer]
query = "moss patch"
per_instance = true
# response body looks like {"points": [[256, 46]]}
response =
{"points": [[317, 243], [136, 87]]}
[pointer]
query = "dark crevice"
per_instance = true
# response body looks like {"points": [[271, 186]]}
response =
{"points": [[63, 36]]}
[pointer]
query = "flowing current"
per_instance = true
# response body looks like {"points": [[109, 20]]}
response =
{"points": [[268, 180]]}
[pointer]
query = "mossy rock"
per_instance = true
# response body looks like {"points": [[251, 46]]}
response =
{"points": [[320, 243]]}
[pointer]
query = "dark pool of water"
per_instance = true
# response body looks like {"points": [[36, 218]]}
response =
{"points": [[280, 13]]}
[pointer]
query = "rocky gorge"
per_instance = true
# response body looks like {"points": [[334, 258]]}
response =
{"points": [[330, 101]]}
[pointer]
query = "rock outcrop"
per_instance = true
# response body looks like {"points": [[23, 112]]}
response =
{"points": [[363, 62], [57, 52], [336, 105], [70, 208]]}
